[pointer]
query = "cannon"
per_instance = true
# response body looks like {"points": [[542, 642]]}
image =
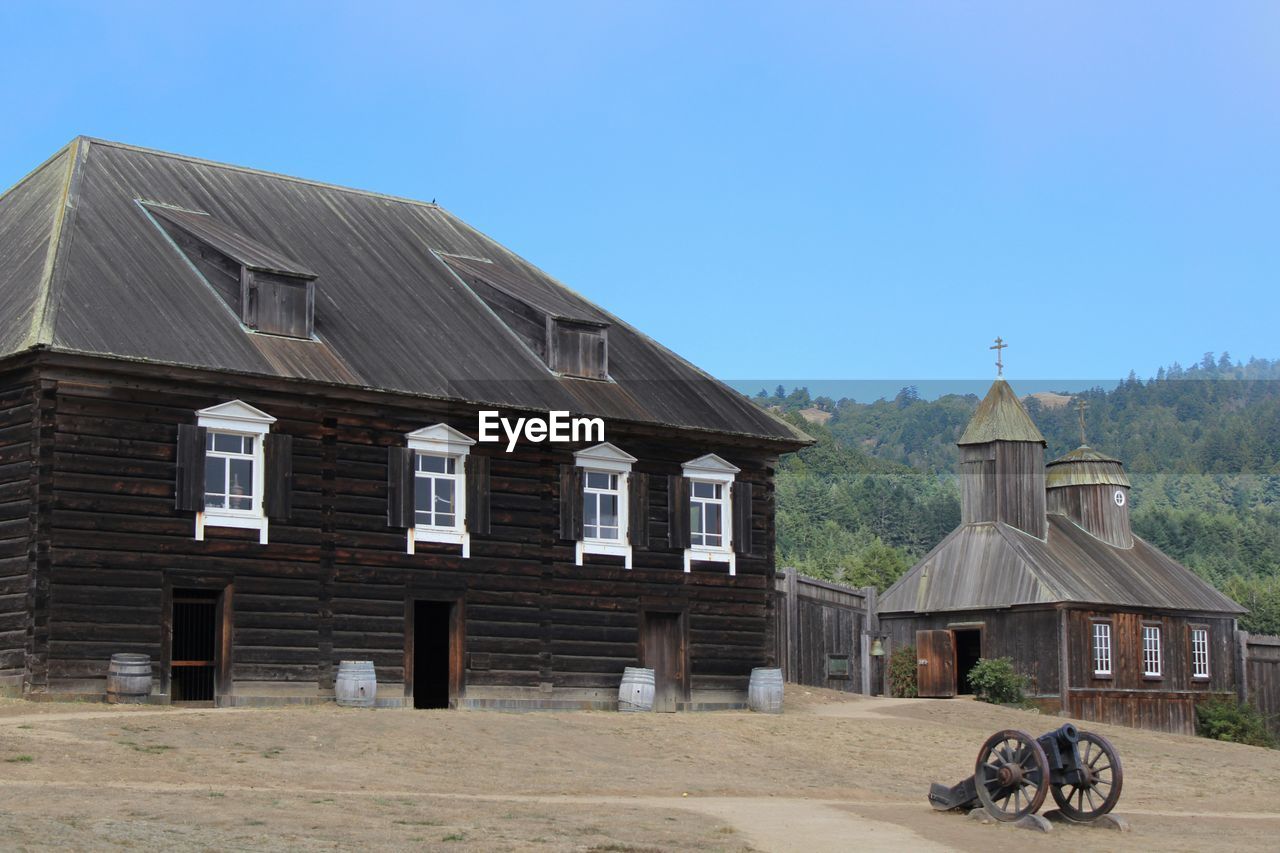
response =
{"points": [[1015, 772]]}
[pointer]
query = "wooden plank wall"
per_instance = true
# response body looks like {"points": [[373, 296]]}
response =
{"points": [[17, 396], [334, 581], [817, 619], [1130, 698], [1029, 637], [1261, 686]]}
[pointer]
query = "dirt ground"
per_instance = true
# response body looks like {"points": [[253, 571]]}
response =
{"points": [[831, 773]]}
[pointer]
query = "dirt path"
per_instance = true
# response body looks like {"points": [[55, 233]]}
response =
{"points": [[833, 772]]}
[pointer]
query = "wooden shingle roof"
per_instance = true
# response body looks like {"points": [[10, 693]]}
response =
{"points": [[85, 269], [1000, 417], [992, 565]]}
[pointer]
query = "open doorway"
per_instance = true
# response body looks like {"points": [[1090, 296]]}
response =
{"points": [[968, 642], [194, 643], [433, 653]]}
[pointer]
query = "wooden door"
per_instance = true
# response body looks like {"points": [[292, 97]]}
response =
{"points": [[936, 664], [664, 653]]}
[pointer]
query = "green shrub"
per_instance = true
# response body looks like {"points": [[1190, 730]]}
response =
{"points": [[1226, 719], [902, 672], [996, 681]]}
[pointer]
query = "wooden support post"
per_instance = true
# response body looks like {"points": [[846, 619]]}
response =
{"points": [[870, 630], [1242, 665], [793, 627], [1064, 669]]}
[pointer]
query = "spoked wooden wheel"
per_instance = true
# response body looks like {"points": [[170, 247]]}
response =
{"points": [[1012, 775], [1099, 793]]}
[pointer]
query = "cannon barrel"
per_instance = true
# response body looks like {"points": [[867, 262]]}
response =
{"points": [[1065, 735]]}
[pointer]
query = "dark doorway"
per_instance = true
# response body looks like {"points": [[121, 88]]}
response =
{"points": [[664, 652], [432, 653], [968, 653], [194, 651]]}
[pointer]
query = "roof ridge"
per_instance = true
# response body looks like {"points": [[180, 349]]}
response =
{"points": [[45, 303], [124, 146]]}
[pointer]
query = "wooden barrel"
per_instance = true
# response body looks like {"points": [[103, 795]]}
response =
{"points": [[129, 679], [636, 691], [357, 684], [764, 691]]}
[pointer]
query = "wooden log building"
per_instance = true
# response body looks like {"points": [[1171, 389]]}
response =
{"points": [[239, 432], [1045, 570]]}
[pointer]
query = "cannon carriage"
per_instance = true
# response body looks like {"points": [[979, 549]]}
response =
{"points": [[1015, 773]]}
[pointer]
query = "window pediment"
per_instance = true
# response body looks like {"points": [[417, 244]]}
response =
{"points": [[235, 415], [440, 438], [605, 456]]}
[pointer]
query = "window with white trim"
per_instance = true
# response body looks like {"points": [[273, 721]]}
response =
{"points": [[710, 511], [1199, 652], [1151, 663], [440, 486], [229, 472], [606, 480], [707, 517], [435, 491], [1101, 649], [601, 504], [234, 469]]}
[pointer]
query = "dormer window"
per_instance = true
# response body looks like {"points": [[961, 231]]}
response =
{"points": [[268, 292], [566, 334], [577, 348]]}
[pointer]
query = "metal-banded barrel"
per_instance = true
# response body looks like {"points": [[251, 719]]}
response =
{"points": [[129, 679], [635, 693], [356, 685], [764, 691]]}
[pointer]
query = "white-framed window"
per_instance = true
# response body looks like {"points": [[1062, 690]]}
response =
{"points": [[440, 486], [606, 475], [706, 514], [1199, 652], [601, 506], [1101, 649], [710, 511], [234, 479], [1151, 662]]}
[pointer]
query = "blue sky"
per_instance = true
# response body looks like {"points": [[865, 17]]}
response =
{"points": [[813, 190]]}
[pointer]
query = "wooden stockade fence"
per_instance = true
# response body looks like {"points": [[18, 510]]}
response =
{"points": [[1260, 664], [824, 631]]}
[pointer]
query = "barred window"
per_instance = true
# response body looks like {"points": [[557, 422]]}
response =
{"points": [[1101, 648], [1151, 665], [1199, 652]]}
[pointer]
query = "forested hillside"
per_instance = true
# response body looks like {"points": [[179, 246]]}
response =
{"points": [[1201, 444]]}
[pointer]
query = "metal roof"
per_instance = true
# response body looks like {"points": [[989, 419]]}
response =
{"points": [[992, 565], [1000, 417], [1085, 466], [84, 270]]}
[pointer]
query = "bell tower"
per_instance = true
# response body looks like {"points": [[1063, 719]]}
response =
{"points": [[1002, 474]]}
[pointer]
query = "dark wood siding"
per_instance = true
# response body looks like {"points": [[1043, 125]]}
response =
{"points": [[334, 581], [1128, 697], [1019, 485], [1094, 508], [16, 413], [1029, 637]]}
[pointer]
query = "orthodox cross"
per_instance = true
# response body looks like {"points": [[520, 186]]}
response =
{"points": [[999, 345], [1081, 405]]}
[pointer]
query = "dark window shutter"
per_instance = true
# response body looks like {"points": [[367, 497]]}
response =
{"points": [[677, 512], [278, 449], [570, 503], [742, 518], [638, 510], [189, 480], [477, 494], [399, 487]]}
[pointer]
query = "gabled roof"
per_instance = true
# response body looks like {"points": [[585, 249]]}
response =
{"points": [[83, 270], [1000, 417], [993, 565]]}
